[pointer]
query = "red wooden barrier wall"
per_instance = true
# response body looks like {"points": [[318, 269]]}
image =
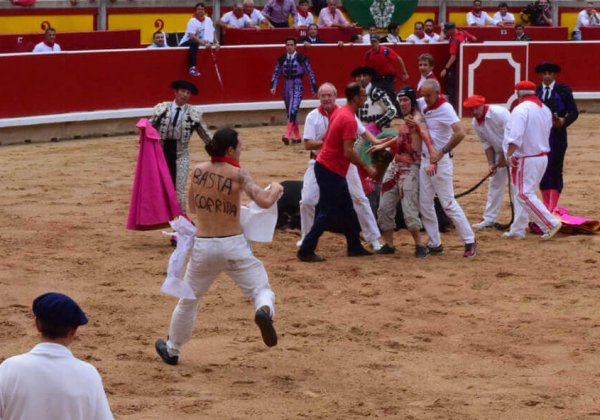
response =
{"points": [[39, 84], [278, 35], [494, 33]]}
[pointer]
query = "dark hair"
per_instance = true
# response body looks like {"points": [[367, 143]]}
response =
{"points": [[392, 28], [199, 4], [290, 38], [355, 37], [352, 91], [313, 24], [156, 33], [503, 4], [430, 20], [519, 25], [419, 23], [427, 57], [52, 330], [49, 29], [302, 1], [221, 141]]}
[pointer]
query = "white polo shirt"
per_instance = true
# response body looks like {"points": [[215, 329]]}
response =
{"points": [[230, 18], [491, 132], [508, 17], [432, 38], [414, 39], [256, 17], [316, 124], [204, 30], [480, 20], [42, 47], [50, 383], [529, 129], [439, 123]]}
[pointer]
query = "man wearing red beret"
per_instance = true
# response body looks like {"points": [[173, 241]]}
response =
{"points": [[526, 145], [489, 122]]}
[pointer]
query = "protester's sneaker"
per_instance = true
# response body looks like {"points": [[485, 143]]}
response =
{"points": [[513, 235], [299, 243], [470, 250], [163, 352], [551, 233], [194, 72], [285, 140], [265, 323], [483, 225], [421, 251], [386, 250], [376, 245], [436, 250], [309, 257]]}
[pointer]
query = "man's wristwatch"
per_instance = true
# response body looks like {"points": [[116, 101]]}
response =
{"points": [[445, 150]]}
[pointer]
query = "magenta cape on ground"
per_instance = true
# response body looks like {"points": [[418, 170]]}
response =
{"points": [[153, 197]]}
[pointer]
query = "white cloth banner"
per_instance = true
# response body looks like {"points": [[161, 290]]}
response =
{"points": [[174, 284], [258, 224]]}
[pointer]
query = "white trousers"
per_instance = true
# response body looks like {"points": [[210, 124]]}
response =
{"points": [[310, 198], [495, 194], [210, 257], [441, 184], [526, 177]]}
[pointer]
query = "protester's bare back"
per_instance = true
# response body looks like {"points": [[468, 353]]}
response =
{"points": [[214, 198]]}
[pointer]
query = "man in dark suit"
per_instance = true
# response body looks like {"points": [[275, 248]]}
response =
{"points": [[559, 98]]}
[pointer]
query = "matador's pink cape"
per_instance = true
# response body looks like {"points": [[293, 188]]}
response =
{"points": [[574, 224], [153, 198]]}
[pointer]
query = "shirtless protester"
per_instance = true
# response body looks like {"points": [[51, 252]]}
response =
{"points": [[214, 198]]}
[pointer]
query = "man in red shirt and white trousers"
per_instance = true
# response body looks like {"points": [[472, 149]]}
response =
{"points": [[527, 146], [331, 167]]}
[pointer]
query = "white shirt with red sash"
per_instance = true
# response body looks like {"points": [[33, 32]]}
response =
{"points": [[202, 28], [45, 46], [490, 128], [529, 128]]}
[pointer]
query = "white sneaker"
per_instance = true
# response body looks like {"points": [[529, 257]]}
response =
{"points": [[375, 244], [483, 225], [513, 235], [551, 233], [299, 243]]}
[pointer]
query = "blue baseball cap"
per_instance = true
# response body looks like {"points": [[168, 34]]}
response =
{"points": [[58, 309]]}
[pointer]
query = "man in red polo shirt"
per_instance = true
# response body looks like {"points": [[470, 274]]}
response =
{"points": [[335, 204], [385, 61], [455, 38]]}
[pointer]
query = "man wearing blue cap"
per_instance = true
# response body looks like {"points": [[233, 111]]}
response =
{"points": [[49, 382]]}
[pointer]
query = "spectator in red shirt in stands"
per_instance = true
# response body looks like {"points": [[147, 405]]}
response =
{"points": [[331, 167], [455, 38], [385, 61]]}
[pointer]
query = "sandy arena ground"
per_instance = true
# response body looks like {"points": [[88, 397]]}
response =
{"points": [[511, 334]]}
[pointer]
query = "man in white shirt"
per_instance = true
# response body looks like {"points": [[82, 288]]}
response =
{"points": [[478, 17], [587, 17], [159, 41], [446, 133], [304, 18], [255, 16], [49, 382], [315, 127], [526, 146], [48, 44], [430, 35], [489, 122], [418, 37], [235, 19], [200, 31], [502, 17]]}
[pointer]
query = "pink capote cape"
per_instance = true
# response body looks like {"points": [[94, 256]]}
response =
{"points": [[153, 198]]}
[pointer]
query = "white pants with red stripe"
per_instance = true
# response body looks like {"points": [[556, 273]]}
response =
{"points": [[526, 177], [441, 184], [362, 207]]}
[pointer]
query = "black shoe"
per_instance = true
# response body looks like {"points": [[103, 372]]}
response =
{"points": [[161, 349], [265, 323], [386, 250], [296, 141], [312, 257], [360, 252], [421, 251], [436, 250], [285, 140]]}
